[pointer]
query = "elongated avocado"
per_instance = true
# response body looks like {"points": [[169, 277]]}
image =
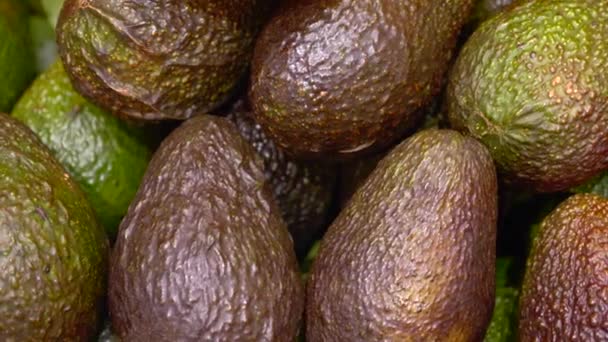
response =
{"points": [[565, 290], [152, 59], [338, 79], [203, 253], [531, 83], [411, 256], [53, 252]]}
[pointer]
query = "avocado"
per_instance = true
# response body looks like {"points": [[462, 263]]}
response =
{"points": [[412, 255], [597, 185], [53, 252], [17, 61], [203, 253], [154, 60], [105, 156], [303, 190], [43, 42], [341, 79], [565, 292], [530, 84]]}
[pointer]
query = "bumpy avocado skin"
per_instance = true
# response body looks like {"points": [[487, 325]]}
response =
{"points": [[304, 190], [17, 61], [53, 252], [105, 156], [532, 84], [152, 59], [411, 257], [203, 254], [342, 78], [565, 290]]}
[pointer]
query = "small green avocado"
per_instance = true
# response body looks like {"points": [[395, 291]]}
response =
{"points": [[17, 61], [53, 252], [153, 59], [565, 288], [303, 190], [412, 255], [203, 253], [105, 156], [341, 79], [532, 84]]}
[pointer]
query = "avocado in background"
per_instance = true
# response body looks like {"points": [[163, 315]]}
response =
{"points": [[531, 83], [186, 58], [53, 252], [503, 325], [597, 185], [402, 261], [43, 42], [303, 190], [17, 61], [203, 253], [104, 155], [564, 292]]}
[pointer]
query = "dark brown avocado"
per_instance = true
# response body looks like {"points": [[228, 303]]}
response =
{"points": [[565, 289], [412, 255], [203, 253], [152, 59], [338, 79], [303, 190]]}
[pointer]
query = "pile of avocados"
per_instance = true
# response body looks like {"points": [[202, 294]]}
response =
{"points": [[296, 170]]}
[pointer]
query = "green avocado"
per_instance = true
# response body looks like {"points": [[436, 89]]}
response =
{"points": [[17, 61], [104, 155], [53, 252], [303, 190], [532, 84], [504, 319], [154, 60], [203, 253], [412, 255], [565, 291], [340, 79]]}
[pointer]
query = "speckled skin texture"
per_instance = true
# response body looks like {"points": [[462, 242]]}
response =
{"points": [[341, 78], [104, 155], [565, 289], [532, 85], [303, 190], [203, 254], [412, 255], [53, 252], [152, 59]]}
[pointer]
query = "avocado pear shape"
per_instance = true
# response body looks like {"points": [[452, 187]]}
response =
{"points": [[412, 255], [203, 253]]}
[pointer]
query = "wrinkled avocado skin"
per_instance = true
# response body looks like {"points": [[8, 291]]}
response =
{"points": [[411, 256], [531, 84], [341, 78], [303, 190], [203, 254], [565, 290], [152, 59], [53, 252]]}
